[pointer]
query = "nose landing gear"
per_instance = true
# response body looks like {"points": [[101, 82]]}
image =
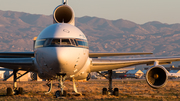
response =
{"points": [[50, 87], [62, 93], [59, 93], [75, 88]]}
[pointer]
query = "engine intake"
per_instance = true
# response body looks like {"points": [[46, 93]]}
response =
{"points": [[63, 14], [157, 76]]}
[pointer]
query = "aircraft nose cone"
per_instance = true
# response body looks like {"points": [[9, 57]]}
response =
{"points": [[62, 57], [66, 58]]}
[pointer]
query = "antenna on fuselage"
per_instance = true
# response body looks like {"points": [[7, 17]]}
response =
{"points": [[65, 2]]}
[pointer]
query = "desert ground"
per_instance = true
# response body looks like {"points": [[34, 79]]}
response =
{"points": [[129, 90]]}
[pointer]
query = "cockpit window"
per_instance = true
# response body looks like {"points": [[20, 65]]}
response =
{"points": [[62, 42], [39, 43], [75, 42], [82, 43], [72, 42], [47, 42], [55, 42], [65, 42]]}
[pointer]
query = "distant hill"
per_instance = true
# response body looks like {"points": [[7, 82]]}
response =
{"points": [[18, 29]]}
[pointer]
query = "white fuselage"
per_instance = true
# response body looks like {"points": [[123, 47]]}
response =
{"points": [[62, 49]]}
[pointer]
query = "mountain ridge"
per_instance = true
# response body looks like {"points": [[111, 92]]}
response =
{"points": [[17, 30]]}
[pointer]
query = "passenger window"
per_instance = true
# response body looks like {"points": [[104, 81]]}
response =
{"points": [[65, 42]]}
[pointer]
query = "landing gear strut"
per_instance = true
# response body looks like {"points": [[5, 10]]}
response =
{"points": [[109, 91], [15, 89], [75, 88], [50, 87], [62, 92]]}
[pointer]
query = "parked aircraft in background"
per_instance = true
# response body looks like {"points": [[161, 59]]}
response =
{"points": [[61, 53], [173, 75]]}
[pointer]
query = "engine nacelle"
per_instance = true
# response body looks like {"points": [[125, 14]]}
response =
{"points": [[157, 76], [63, 14]]}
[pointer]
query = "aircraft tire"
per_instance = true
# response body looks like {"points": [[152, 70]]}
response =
{"points": [[57, 93], [104, 91], [16, 92], [20, 90], [9, 91], [116, 92]]}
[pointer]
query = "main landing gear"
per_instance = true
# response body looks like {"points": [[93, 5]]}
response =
{"points": [[110, 90], [15, 90]]}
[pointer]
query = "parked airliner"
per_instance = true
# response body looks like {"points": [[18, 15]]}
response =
{"points": [[61, 53]]}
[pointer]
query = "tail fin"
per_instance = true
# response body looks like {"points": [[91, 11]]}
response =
{"points": [[65, 2]]}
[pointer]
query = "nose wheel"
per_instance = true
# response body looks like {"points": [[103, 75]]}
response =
{"points": [[61, 93]]}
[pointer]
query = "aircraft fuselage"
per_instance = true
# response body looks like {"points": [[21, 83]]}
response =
{"points": [[62, 49]]}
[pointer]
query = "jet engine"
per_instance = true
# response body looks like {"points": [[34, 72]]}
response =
{"points": [[157, 76], [63, 14]]}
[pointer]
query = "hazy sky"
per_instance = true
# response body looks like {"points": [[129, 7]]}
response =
{"points": [[139, 11]]}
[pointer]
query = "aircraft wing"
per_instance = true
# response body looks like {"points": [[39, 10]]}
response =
{"points": [[16, 54], [26, 64], [18, 61], [110, 64], [117, 54]]}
